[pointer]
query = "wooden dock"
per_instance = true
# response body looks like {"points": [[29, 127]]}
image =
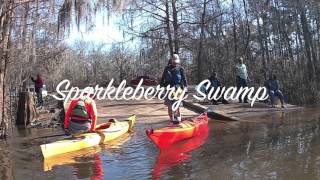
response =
{"points": [[235, 111]]}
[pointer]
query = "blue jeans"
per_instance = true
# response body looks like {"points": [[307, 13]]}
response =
{"points": [[39, 97], [242, 83], [274, 94]]}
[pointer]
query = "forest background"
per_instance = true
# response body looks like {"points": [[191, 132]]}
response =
{"points": [[273, 36]]}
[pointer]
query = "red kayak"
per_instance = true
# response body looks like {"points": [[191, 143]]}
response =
{"points": [[177, 153], [173, 133]]}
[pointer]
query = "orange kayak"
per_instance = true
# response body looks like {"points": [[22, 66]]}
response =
{"points": [[173, 133]]}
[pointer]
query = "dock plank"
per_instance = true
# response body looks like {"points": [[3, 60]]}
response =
{"points": [[235, 111]]}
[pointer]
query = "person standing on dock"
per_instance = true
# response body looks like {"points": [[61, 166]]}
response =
{"points": [[274, 90], [215, 83], [81, 115], [242, 78], [173, 76], [38, 85]]}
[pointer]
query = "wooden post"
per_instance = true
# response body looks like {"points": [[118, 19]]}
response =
{"points": [[62, 112], [26, 109]]}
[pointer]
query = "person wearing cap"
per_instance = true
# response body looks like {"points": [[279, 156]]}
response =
{"points": [[81, 115], [173, 76], [242, 78]]}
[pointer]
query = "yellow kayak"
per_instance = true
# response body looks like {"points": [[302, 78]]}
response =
{"points": [[76, 156], [104, 132]]}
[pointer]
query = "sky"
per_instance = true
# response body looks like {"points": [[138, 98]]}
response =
{"points": [[103, 32]]}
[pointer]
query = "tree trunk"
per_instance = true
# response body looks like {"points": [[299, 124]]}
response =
{"points": [[307, 43], [2, 107], [5, 28], [175, 27], [26, 109], [202, 36], [265, 38], [168, 28], [264, 63], [248, 28], [234, 31]]}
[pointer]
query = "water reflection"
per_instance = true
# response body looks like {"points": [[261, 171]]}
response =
{"points": [[276, 146], [91, 167], [71, 158], [86, 163], [177, 154], [5, 162]]}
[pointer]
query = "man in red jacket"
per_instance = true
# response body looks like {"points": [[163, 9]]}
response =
{"points": [[38, 85]]}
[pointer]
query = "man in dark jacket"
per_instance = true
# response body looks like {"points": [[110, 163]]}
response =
{"points": [[174, 76], [215, 83], [274, 90], [38, 85]]}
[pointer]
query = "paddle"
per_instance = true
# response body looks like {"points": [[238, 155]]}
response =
{"points": [[100, 126], [55, 135]]}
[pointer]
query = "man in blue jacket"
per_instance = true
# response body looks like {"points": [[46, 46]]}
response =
{"points": [[174, 76], [215, 84], [274, 90]]}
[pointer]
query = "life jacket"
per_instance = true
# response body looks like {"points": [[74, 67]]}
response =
{"points": [[80, 112]]}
